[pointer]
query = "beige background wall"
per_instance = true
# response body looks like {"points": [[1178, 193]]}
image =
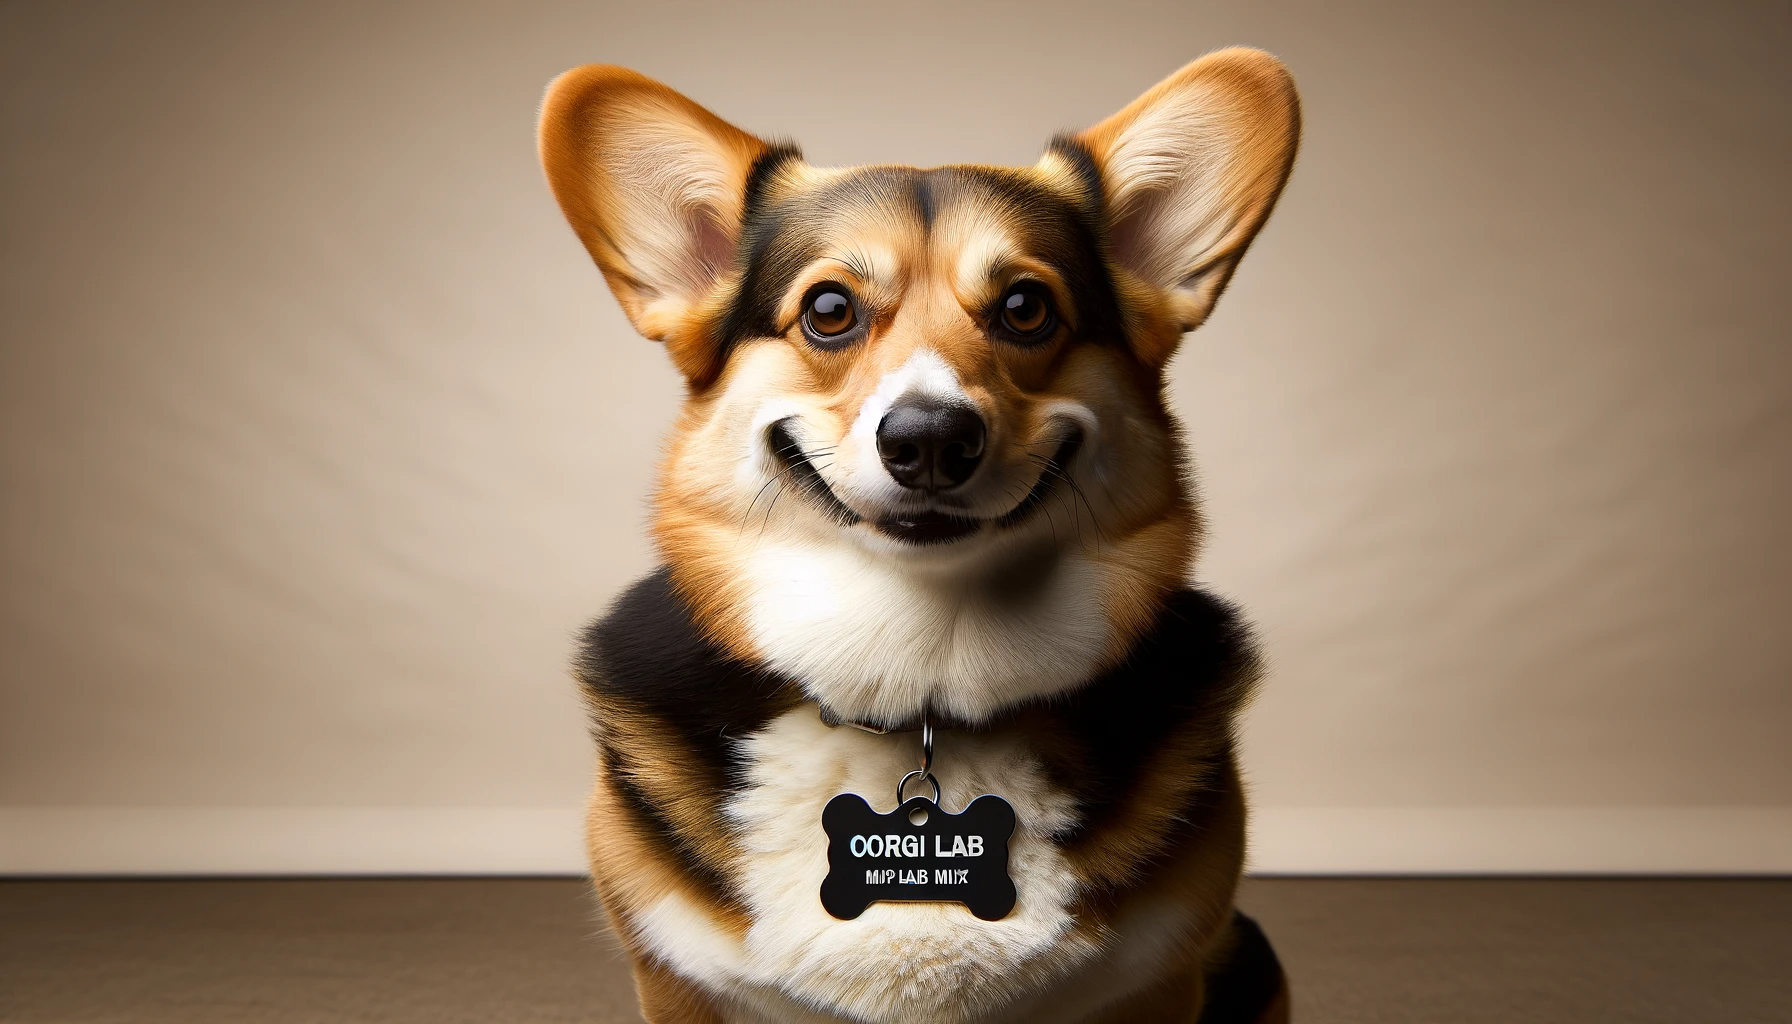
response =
{"points": [[319, 435]]}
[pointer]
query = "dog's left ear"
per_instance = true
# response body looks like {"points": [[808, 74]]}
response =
{"points": [[653, 184], [1190, 171]]}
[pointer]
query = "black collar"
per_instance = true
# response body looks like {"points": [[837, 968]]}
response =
{"points": [[830, 717]]}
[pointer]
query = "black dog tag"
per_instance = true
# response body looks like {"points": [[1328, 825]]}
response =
{"points": [[918, 853]]}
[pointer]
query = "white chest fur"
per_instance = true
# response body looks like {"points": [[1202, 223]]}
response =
{"points": [[879, 641], [896, 963]]}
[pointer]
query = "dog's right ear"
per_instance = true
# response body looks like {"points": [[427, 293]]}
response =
{"points": [[654, 185], [1191, 171]]}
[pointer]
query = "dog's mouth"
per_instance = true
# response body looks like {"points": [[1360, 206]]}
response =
{"points": [[921, 527]]}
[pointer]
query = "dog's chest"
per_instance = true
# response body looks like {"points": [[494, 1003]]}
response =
{"points": [[931, 962]]}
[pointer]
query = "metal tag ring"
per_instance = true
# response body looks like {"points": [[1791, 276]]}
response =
{"points": [[922, 773], [926, 741]]}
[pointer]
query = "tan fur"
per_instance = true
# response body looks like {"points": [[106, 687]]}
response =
{"points": [[632, 873], [616, 144], [1244, 107], [641, 751], [668, 999]]}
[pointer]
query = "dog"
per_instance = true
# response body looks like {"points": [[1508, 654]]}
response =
{"points": [[924, 476]]}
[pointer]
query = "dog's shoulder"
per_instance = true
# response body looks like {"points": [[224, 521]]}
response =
{"points": [[1194, 668], [647, 655], [1199, 654], [667, 709], [646, 648], [1156, 730]]}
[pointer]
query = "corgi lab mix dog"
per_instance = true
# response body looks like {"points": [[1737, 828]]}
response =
{"points": [[924, 467]]}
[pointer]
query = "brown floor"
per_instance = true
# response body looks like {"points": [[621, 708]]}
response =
{"points": [[443, 951]]}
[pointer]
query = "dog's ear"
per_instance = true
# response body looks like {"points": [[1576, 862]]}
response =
{"points": [[1190, 171], [654, 185]]}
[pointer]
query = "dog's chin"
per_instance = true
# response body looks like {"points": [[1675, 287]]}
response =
{"points": [[921, 528]]}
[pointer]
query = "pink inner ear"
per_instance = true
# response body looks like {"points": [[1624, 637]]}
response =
{"points": [[712, 247], [1129, 235]]}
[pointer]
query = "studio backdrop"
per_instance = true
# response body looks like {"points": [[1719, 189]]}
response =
{"points": [[320, 436]]}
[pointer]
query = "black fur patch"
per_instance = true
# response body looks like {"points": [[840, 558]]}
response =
{"points": [[759, 176], [921, 197], [648, 653], [1191, 670], [1087, 170]]}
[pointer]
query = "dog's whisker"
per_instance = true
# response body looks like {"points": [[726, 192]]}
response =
{"points": [[763, 523], [748, 516], [1050, 467], [1094, 520], [1043, 507], [1058, 472]]}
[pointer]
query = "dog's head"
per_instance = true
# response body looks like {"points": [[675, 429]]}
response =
{"points": [[948, 379]]}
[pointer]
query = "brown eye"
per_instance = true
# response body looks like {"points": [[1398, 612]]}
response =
{"points": [[1026, 311], [829, 315]]}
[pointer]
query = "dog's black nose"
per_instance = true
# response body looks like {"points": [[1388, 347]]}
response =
{"points": [[929, 445]]}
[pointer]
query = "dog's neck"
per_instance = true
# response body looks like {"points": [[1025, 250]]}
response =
{"points": [[876, 643], [877, 640]]}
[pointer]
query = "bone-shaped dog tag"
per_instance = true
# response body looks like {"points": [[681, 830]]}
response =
{"points": [[918, 853]]}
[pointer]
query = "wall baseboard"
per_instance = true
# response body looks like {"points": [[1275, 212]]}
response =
{"points": [[1521, 840], [291, 841], [95, 841]]}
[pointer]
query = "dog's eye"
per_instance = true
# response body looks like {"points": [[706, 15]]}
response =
{"points": [[829, 315], [1027, 310]]}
